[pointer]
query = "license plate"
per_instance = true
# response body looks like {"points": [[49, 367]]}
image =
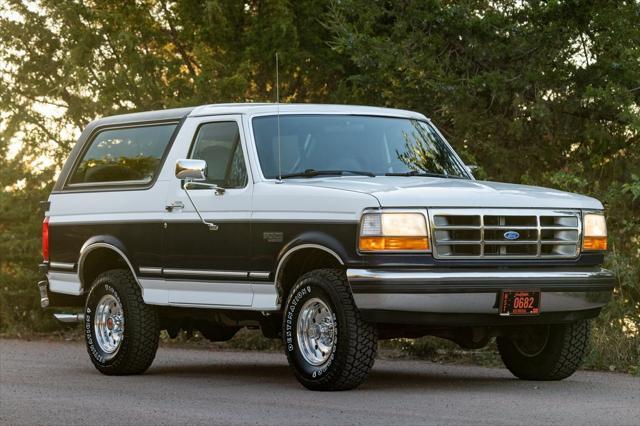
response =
{"points": [[519, 302]]}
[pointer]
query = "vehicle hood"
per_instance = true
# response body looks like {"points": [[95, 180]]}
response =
{"points": [[417, 191]]}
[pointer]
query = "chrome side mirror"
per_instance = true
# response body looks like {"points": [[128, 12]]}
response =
{"points": [[191, 169]]}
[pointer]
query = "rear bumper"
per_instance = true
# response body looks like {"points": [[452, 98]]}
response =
{"points": [[463, 296]]}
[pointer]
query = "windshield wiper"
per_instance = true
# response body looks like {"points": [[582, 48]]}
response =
{"points": [[430, 174], [313, 173]]}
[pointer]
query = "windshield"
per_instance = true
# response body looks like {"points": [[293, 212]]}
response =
{"points": [[365, 144]]}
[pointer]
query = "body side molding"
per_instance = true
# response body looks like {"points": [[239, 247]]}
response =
{"points": [[200, 274]]}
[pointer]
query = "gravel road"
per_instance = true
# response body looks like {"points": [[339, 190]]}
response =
{"points": [[45, 382]]}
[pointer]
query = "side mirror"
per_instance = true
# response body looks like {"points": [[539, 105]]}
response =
{"points": [[191, 169]]}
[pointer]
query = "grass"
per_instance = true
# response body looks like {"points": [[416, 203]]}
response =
{"points": [[613, 347]]}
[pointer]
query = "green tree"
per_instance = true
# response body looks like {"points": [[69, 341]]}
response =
{"points": [[544, 93], [65, 63], [535, 92]]}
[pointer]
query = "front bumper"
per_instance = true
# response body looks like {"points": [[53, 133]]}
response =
{"points": [[470, 297]]}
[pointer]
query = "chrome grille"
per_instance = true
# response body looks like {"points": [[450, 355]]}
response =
{"points": [[505, 233]]}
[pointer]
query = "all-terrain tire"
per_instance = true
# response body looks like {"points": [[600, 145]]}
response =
{"points": [[355, 346], [559, 357], [141, 330]]}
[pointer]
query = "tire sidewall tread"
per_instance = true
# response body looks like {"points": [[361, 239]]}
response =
{"points": [[356, 346], [141, 325], [560, 358]]}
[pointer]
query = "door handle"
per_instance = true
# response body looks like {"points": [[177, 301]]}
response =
{"points": [[175, 205]]}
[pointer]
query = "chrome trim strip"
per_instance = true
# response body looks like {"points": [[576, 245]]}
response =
{"points": [[399, 276], [258, 218], [259, 275], [288, 253], [204, 273], [109, 183], [150, 270], [62, 265]]}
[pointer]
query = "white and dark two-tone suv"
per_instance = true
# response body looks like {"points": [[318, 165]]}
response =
{"points": [[326, 226]]}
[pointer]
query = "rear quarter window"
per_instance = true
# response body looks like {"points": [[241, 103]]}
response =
{"points": [[123, 156]]}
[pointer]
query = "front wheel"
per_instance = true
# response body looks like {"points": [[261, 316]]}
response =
{"points": [[121, 331], [546, 352], [328, 345]]}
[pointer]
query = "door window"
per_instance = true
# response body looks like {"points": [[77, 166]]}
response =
{"points": [[219, 145]]}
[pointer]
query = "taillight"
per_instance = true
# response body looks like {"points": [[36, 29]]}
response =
{"points": [[45, 239]]}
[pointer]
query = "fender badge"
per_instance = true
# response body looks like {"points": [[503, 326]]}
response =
{"points": [[273, 237]]}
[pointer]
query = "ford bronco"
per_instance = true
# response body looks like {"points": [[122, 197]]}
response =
{"points": [[327, 226]]}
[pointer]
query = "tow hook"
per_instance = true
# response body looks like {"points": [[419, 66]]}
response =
{"points": [[69, 318], [44, 297]]}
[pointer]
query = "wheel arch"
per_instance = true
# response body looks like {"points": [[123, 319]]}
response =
{"points": [[305, 253], [101, 253]]}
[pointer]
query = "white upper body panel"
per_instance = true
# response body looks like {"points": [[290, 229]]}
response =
{"points": [[331, 198], [291, 201]]}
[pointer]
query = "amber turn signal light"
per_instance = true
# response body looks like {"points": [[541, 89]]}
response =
{"points": [[595, 232], [594, 243], [394, 243]]}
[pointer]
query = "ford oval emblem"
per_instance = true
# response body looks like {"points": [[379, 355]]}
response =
{"points": [[511, 235]]}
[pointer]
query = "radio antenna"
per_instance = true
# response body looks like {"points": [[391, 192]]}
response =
{"points": [[278, 120]]}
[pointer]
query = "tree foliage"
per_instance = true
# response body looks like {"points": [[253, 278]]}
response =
{"points": [[534, 92]]}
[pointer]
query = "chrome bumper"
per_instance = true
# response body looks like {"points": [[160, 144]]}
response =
{"points": [[476, 291]]}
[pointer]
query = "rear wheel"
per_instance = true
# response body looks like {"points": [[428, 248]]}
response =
{"points": [[549, 352], [328, 345], [121, 331]]}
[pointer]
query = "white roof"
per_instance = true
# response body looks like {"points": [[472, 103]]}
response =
{"points": [[272, 108]]}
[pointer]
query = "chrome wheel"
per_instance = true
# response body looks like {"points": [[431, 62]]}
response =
{"points": [[532, 342], [316, 332], [108, 324]]}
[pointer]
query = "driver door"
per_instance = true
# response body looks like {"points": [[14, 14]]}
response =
{"points": [[203, 266]]}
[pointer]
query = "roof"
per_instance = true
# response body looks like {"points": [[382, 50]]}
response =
{"points": [[251, 109], [272, 108], [141, 117]]}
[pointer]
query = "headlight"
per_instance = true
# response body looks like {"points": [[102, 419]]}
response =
{"points": [[394, 231], [595, 232]]}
